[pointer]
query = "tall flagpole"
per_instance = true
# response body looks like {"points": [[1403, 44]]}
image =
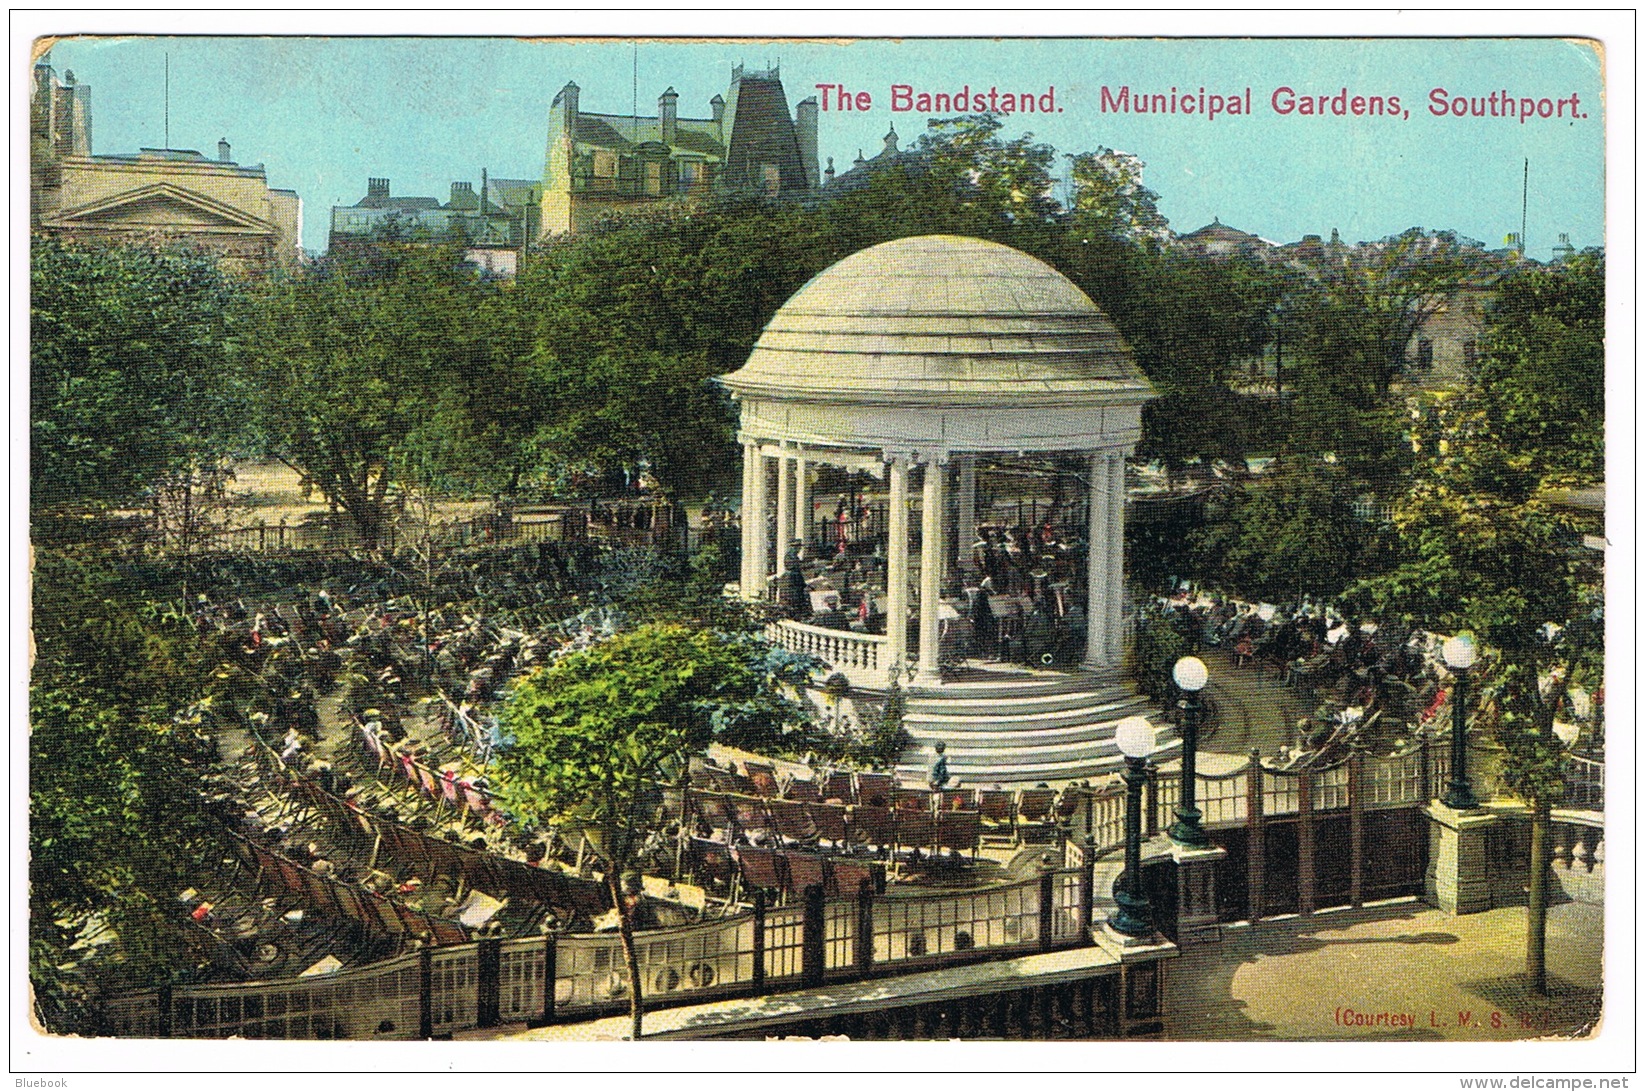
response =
{"points": [[1524, 202], [167, 100]]}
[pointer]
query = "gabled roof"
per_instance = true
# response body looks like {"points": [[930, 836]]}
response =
{"points": [[129, 206]]}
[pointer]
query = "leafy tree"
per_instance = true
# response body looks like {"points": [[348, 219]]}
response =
{"points": [[1484, 550], [1109, 198], [364, 371], [115, 759], [126, 369], [1292, 533], [1542, 373], [599, 731], [1011, 178]]}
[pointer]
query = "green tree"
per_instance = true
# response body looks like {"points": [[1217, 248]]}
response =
{"points": [[1109, 198], [1541, 376], [363, 371], [1294, 532], [115, 760], [599, 732], [1482, 549], [1010, 179], [126, 374]]}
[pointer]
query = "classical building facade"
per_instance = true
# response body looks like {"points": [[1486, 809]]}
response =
{"points": [[597, 164], [157, 197]]}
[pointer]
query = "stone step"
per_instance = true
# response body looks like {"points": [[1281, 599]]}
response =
{"points": [[991, 717], [1025, 767], [994, 738]]}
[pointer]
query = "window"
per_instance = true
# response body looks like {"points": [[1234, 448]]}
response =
{"points": [[654, 178], [1469, 349], [605, 164], [1425, 355], [771, 178]]}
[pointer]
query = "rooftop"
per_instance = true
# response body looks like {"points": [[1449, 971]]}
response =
{"points": [[961, 319]]}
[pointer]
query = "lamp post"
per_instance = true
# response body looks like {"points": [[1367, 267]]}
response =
{"points": [[1133, 916], [1459, 654], [1190, 676]]}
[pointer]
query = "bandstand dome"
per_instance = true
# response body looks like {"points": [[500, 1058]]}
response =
{"points": [[941, 319]]}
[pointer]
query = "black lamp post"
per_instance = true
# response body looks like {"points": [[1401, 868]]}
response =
{"points": [[1459, 654], [1133, 916], [1190, 676]]}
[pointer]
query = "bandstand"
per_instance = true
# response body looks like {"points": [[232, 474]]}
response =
{"points": [[973, 411]]}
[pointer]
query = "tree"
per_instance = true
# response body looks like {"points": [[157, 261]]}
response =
{"points": [[1541, 376], [1484, 550], [365, 370], [126, 369], [1109, 198], [601, 730], [1292, 533], [116, 827], [1011, 179]]}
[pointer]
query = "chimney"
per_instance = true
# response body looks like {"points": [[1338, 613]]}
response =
{"points": [[223, 151], [377, 189], [566, 103], [462, 195], [716, 106], [805, 129], [668, 114]]}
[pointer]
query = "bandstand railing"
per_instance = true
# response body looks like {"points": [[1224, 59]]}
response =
{"points": [[860, 657]]}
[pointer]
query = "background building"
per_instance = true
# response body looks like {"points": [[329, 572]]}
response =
{"points": [[157, 197], [597, 164], [492, 224]]}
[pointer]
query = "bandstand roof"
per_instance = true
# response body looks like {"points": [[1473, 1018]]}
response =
{"points": [[942, 320]]}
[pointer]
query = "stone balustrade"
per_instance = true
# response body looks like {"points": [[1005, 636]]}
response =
{"points": [[860, 657]]}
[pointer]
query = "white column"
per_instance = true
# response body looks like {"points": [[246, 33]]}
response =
{"points": [[1116, 559], [802, 501], [754, 513], [896, 562], [1096, 566], [932, 522], [965, 531], [785, 511], [751, 453]]}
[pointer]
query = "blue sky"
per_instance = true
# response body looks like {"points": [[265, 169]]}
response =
{"points": [[323, 114]]}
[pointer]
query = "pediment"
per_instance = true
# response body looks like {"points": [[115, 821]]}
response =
{"points": [[161, 206]]}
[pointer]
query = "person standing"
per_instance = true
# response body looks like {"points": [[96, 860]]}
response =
{"points": [[939, 769]]}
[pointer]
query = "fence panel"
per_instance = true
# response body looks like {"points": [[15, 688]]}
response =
{"points": [[1069, 915], [784, 939], [1331, 788], [1393, 781], [922, 928], [1223, 800], [520, 979], [714, 958], [840, 935], [589, 972], [455, 984], [1279, 794], [378, 1002]]}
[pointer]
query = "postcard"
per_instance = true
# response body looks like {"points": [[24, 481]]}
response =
{"points": [[1084, 540]]}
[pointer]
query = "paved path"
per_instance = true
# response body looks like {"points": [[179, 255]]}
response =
{"points": [[1254, 709], [1402, 975]]}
